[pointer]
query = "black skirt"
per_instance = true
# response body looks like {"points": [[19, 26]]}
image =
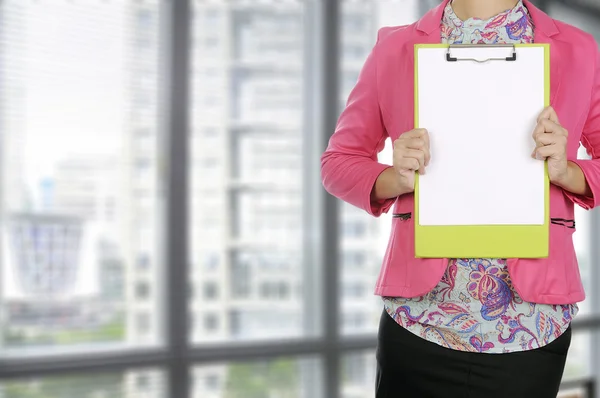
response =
{"points": [[409, 366]]}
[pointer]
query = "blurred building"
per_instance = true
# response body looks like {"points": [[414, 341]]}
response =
{"points": [[62, 264], [58, 225], [13, 53], [12, 118], [246, 177], [43, 258], [140, 222], [248, 104]]}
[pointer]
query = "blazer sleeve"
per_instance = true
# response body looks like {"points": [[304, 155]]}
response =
{"points": [[591, 141], [349, 166]]}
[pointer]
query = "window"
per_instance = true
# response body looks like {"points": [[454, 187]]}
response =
{"points": [[284, 290], [142, 382], [83, 157], [235, 322], [142, 290], [209, 19], [211, 322], [355, 368], [209, 163], [354, 322], [355, 229], [150, 269], [132, 383], [143, 261], [142, 323], [354, 259], [269, 290], [358, 374], [210, 132], [145, 17], [275, 290], [109, 209], [211, 290], [212, 382], [279, 377], [354, 290], [211, 42], [241, 275], [211, 261]]}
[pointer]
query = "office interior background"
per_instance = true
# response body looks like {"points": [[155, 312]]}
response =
{"points": [[163, 229]]}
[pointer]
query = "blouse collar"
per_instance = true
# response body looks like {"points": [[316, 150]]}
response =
{"points": [[451, 19]]}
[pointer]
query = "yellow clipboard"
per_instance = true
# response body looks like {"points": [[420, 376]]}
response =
{"points": [[482, 241]]}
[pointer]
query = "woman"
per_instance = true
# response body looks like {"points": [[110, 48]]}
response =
{"points": [[470, 327]]}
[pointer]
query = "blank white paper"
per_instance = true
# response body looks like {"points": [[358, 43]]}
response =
{"points": [[480, 117]]}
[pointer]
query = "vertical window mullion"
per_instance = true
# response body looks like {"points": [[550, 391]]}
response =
{"points": [[330, 91], [176, 135]]}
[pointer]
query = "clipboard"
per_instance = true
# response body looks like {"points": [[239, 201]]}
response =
{"points": [[455, 99]]}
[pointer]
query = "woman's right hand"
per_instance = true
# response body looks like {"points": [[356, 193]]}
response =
{"points": [[411, 155]]}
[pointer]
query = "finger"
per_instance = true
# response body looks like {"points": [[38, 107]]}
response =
{"points": [[416, 154], [427, 147], [538, 132], [427, 155], [415, 143], [416, 133], [548, 151], [548, 126], [419, 132], [550, 114], [543, 139], [405, 164]]}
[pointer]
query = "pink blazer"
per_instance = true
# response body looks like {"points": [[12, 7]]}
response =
{"points": [[381, 106]]}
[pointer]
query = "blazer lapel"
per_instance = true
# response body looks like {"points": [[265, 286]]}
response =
{"points": [[428, 31], [545, 29], [555, 65]]}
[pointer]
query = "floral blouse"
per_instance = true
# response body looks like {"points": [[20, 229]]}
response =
{"points": [[475, 307]]}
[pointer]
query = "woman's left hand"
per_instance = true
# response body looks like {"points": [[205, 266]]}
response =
{"points": [[551, 144]]}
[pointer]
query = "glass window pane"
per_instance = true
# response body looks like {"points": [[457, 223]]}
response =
{"points": [[131, 384], [282, 377], [246, 170], [79, 203], [358, 374], [359, 233], [362, 237], [573, 393], [579, 358]]}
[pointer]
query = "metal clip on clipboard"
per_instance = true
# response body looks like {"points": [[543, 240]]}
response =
{"points": [[450, 58]]}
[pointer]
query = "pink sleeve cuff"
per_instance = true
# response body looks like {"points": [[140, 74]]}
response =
{"points": [[586, 202], [377, 207]]}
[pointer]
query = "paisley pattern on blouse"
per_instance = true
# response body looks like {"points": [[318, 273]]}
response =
{"points": [[511, 26], [474, 307]]}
